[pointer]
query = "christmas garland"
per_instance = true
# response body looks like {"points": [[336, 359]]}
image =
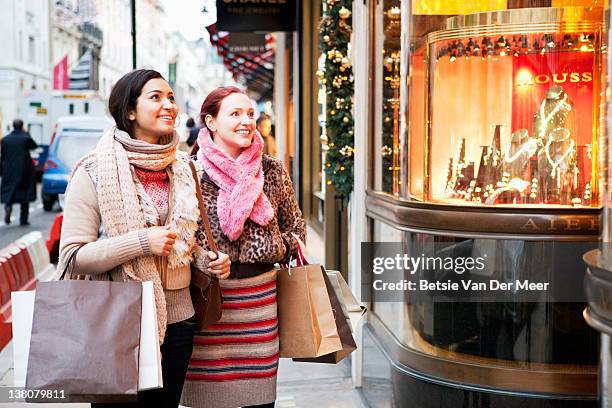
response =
{"points": [[335, 34]]}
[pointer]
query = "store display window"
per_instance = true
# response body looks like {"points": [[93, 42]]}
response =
{"points": [[387, 118], [510, 110]]}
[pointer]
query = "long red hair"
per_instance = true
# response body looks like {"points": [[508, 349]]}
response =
{"points": [[212, 104]]}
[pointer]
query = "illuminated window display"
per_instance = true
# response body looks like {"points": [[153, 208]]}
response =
{"points": [[514, 112]]}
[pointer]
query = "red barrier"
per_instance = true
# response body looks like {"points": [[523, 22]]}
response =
{"points": [[16, 274], [27, 273], [5, 287], [11, 270]]}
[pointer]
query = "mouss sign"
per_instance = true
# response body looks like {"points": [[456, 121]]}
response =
{"points": [[256, 15]]}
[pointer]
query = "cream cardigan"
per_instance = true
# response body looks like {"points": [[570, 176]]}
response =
{"points": [[98, 254]]}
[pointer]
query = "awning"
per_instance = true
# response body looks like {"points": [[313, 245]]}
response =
{"points": [[254, 69]]}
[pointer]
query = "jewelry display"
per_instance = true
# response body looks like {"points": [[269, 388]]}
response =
{"points": [[553, 113], [546, 168], [558, 160]]}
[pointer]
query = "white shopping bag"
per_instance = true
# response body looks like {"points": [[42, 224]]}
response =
{"points": [[350, 306], [149, 360], [22, 304]]}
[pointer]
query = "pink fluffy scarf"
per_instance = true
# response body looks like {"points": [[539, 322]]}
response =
{"points": [[240, 182]]}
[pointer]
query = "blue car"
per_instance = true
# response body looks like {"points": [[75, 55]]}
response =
{"points": [[74, 137]]}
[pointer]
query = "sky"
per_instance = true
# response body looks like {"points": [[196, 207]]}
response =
{"points": [[186, 16]]}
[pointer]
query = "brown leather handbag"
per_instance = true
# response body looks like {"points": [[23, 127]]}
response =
{"points": [[204, 288]]}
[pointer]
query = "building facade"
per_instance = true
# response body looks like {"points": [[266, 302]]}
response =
{"points": [[25, 64]]}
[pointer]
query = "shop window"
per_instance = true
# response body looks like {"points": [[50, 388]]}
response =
{"points": [[503, 108], [387, 118]]}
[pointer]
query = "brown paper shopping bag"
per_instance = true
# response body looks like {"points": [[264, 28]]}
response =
{"points": [[85, 340], [306, 322], [350, 306], [344, 329]]}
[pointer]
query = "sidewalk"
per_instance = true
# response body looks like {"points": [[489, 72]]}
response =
{"points": [[300, 385]]}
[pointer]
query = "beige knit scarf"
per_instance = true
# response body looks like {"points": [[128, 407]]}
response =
{"points": [[121, 205]]}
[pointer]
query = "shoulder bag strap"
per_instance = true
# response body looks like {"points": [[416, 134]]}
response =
{"points": [[209, 235]]}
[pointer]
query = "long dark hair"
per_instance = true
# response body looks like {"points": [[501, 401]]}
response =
{"points": [[124, 94]]}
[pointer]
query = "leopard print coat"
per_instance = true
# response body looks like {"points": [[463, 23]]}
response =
{"points": [[270, 243]]}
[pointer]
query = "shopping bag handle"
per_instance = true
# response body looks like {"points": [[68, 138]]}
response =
{"points": [[301, 259], [70, 261]]}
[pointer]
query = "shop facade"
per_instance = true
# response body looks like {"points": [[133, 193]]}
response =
{"points": [[484, 132]]}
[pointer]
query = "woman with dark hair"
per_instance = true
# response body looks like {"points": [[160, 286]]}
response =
{"points": [[131, 212], [253, 214]]}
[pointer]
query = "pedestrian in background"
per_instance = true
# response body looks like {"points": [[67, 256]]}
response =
{"points": [[132, 214], [184, 143], [253, 213], [264, 126], [18, 174], [193, 135]]}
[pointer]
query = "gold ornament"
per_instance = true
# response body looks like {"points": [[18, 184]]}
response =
{"points": [[347, 151], [345, 119], [346, 63], [326, 38], [344, 13], [332, 112], [337, 81]]}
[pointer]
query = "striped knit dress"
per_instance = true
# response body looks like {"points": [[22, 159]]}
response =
{"points": [[241, 348], [234, 362]]}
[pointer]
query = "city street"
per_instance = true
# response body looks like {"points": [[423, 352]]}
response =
{"points": [[40, 220]]}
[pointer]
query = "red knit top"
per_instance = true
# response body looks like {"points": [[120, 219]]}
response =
{"points": [[157, 186]]}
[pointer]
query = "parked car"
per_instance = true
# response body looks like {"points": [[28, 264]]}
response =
{"points": [[74, 137]]}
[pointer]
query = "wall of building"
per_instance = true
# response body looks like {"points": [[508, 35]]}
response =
{"points": [[25, 56]]}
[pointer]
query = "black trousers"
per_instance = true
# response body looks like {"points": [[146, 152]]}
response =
{"points": [[23, 214], [176, 352]]}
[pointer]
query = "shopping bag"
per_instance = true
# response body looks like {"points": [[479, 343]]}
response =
{"points": [[350, 306], [149, 360], [85, 340], [22, 305], [306, 321], [343, 326]]}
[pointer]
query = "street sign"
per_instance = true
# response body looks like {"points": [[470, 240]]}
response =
{"points": [[256, 15]]}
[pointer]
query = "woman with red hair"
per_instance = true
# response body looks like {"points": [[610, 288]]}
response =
{"points": [[253, 214]]}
